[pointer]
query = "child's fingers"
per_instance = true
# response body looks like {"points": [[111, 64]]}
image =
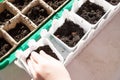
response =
{"points": [[31, 68], [37, 58], [48, 57]]}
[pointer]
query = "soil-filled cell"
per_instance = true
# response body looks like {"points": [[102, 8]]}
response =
{"points": [[91, 12], [5, 16], [37, 14], [69, 33], [113, 2], [54, 3], [19, 32], [20, 4], [48, 51], [4, 47]]}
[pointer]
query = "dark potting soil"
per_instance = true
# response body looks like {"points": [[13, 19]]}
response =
{"points": [[69, 33], [113, 2], [37, 14], [19, 32], [55, 3], [4, 47], [91, 12], [5, 16], [48, 51], [20, 4]]}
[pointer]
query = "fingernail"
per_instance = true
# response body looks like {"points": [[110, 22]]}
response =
{"points": [[34, 53], [42, 52], [28, 62]]}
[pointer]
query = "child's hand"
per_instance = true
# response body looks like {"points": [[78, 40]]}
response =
{"points": [[44, 67]]}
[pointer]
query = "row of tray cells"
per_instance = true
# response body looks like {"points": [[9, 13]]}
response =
{"points": [[21, 4], [23, 15], [19, 18], [35, 10], [113, 2], [85, 14], [70, 30]]}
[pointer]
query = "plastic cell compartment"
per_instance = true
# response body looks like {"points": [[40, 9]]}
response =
{"points": [[107, 8], [59, 22]]}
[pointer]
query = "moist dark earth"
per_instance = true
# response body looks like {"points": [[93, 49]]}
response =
{"points": [[37, 14], [91, 12], [113, 2], [19, 32], [20, 4], [5, 16], [69, 33], [4, 47], [54, 3], [48, 51]]}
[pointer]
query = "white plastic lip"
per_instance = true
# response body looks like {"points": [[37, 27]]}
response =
{"points": [[112, 4], [72, 17], [60, 47], [107, 7]]}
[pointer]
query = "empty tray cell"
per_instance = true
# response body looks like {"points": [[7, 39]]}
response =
{"points": [[55, 3], [48, 51], [91, 12], [113, 2], [70, 33], [4, 47], [19, 32], [37, 14], [20, 4]]}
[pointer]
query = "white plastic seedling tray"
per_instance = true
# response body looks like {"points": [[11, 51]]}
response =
{"points": [[102, 3], [100, 60]]}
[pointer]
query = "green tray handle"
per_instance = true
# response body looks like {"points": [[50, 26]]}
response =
{"points": [[7, 61], [4, 64]]}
